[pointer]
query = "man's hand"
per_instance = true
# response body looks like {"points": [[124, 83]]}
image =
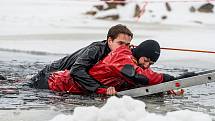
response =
{"points": [[111, 91]]}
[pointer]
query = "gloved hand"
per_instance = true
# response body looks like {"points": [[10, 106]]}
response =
{"points": [[186, 75], [167, 77]]}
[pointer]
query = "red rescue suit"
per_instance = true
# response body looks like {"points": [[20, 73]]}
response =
{"points": [[108, 72]]}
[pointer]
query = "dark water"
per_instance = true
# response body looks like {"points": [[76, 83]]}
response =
{"points": [[23, 103]]}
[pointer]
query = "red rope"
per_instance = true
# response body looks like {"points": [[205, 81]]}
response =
{"points": [[180, 49], [189, 50]]}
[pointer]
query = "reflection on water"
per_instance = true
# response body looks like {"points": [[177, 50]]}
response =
{"points": [[18, 102]]}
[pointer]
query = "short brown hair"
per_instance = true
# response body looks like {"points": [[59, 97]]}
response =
{"points": [[114, 31]]}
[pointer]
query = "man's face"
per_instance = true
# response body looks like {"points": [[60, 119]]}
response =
{"points": [[122, 39], [145, 62]]}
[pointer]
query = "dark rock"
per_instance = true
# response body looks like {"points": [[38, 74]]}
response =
{"points": [[2, 77], [168, 7], [137, 11], [113, 4], [198, 22], [91, 13], [192, 9], [99, 7], [164, 17], [206, 8], [111, 17]]}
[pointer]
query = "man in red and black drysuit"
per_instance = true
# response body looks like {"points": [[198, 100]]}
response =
{"points": [[82, 60]]}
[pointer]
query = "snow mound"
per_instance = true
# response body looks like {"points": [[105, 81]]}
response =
{"points": [[128, 109]]}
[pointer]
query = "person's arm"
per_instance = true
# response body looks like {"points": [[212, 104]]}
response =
{"points": [[141, 76], [138, 75], [79, 70]]}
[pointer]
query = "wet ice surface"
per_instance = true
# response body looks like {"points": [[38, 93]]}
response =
{"points": [[23, 103]]}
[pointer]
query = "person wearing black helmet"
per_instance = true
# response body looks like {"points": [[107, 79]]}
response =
{"points": [[123, 68], [128, 68]]}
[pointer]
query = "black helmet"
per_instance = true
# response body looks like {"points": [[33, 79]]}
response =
{"points": [[149, 49]]}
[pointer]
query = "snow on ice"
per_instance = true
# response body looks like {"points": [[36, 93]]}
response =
{"points": [[128, 109]]}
